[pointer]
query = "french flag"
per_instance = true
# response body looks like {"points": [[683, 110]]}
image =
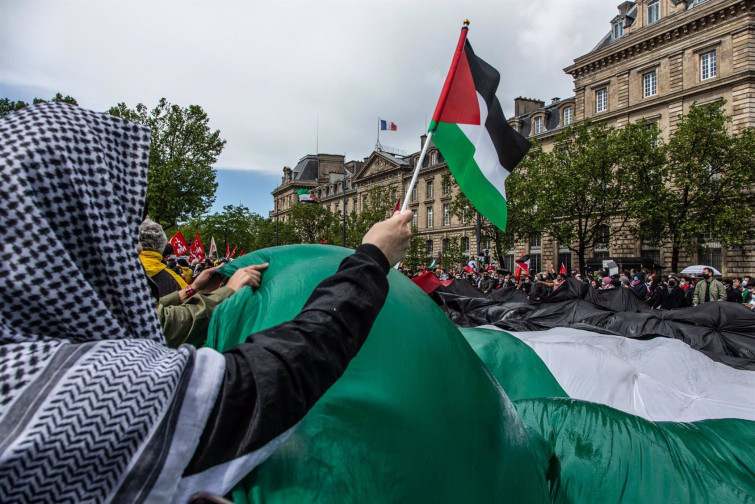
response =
{"points": [[387, 126]]}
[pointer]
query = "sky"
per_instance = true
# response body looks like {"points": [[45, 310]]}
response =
{"points": [[282, 79]]}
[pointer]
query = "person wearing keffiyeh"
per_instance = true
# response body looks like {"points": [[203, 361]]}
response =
{"points": [[94, 406]]}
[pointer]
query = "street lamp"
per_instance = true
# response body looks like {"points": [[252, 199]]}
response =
{"points": [[345, 174]]}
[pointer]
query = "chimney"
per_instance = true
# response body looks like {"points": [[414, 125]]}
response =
{"points": [[524, 106], [555, 99], [422, 141], [624, 8]]}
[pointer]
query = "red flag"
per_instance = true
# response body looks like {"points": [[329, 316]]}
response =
{"points": [[563, 269], [324, 241], [523, 263], [242, 252], [227, 250], [197, 250], [468, 269], [233, 252], [428, 282], [180, 246], [397, 208]]}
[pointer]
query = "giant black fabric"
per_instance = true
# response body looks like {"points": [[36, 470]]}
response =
{"points": [[723, 331]]}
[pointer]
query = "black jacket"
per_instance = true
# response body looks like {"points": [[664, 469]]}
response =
{"points": [[274, 378]]}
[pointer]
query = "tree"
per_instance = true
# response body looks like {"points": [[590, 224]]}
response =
{"points": [[704, 185], [7, 106], [378, 207], [235, 225], [453, 255], [585, 185], [415, 254], [181, 181], [311, 223]]}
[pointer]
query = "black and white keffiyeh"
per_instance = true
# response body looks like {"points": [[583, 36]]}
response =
{"points": [[93, 406]]}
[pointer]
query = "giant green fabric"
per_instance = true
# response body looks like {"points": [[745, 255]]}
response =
{"points": [[607, 456], [416, 417], [516, 366]]}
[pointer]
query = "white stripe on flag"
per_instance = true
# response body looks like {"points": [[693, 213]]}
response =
{"points": [[661, 379], [485, 154]]}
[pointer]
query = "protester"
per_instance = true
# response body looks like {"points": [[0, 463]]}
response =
{"points": [[708, 289], [657, 293], [152, 241], [674, 296], [108, 412]]}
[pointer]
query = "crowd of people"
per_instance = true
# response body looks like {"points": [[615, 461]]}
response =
{"points": [[660, 291]]}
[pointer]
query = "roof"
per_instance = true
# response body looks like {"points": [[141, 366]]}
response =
{"points": [[396, 159], [632, 15], [306, 169], [552, 117]]}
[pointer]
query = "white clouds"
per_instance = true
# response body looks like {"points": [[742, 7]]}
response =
{"points": [[264, 71]]}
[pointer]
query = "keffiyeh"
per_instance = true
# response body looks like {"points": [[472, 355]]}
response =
{"points": [[93, 407]]}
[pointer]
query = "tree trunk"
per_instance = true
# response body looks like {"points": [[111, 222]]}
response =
{"points": [[674, 257]]}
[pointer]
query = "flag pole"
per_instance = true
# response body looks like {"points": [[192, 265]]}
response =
{"points": [[439, 108]]}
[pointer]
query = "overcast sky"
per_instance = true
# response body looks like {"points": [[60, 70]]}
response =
{"points": [[280, 78]]}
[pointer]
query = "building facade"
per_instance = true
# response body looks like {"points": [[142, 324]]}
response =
{"points": [[657, 59]]}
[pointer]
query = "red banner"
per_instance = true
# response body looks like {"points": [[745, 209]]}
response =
{"points": [[197, 250], [180, 247]]}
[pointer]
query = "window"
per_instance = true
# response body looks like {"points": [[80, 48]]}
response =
{"points": [[414, 193], [414, 220], [364, 202], [649, 84], [394, 194], [538, 125], [568, 112], [652, 253], [447, 186], [536, 262], [601, 100], [465, 245], [618, 29], [345, 207], [429, 191], [335, 208], [508, 261], [710, 251], [708, 65], [446, 243], [602, 240], [446, 214], [429, 217], [429, 247], [654, 11]]}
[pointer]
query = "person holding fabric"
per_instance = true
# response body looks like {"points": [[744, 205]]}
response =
{"points": [[708, 289], [95, 407], [152, 241]]}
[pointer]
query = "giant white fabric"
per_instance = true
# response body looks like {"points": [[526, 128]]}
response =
{"points": [[660, 379]]}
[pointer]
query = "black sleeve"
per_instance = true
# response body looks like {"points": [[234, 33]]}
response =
{"points": [[274, 378]]}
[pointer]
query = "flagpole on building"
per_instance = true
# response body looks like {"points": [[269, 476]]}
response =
{"points": [[438, 109]]}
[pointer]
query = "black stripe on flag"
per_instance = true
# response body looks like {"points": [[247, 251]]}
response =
{"points": [[510, 146]]}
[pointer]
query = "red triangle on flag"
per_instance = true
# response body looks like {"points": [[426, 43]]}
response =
{"points": [[461, 106]]}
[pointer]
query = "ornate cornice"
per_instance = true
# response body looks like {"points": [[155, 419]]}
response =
{"points": [[662, 33]]}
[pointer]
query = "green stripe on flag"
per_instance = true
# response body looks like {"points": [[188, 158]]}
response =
{"points": [[459, 152]]}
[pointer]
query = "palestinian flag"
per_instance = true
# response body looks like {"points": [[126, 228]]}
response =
{"points": [[305, 195], [471, 132]]}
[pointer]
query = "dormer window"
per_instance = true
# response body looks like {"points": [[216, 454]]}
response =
{"points": [[618, 29], [538, 125], [653, 11], [568, 115]]}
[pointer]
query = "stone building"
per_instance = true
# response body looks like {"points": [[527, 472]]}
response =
{"points": [[348, 187], [657, 59]]}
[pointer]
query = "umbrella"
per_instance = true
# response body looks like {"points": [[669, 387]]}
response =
{"points": [[698, 269]]}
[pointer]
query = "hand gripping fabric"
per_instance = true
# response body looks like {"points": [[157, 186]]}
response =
{"points": [[416, 417]]}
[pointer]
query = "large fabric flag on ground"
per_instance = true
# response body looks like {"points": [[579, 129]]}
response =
{"points": [[471, 132]]}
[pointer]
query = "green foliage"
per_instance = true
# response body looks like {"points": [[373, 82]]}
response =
{"points": [[453, 255], [703, 185], [181, 181], [311, 223], [415, 255], [7, 106], [587, 182], [379, 206]]}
